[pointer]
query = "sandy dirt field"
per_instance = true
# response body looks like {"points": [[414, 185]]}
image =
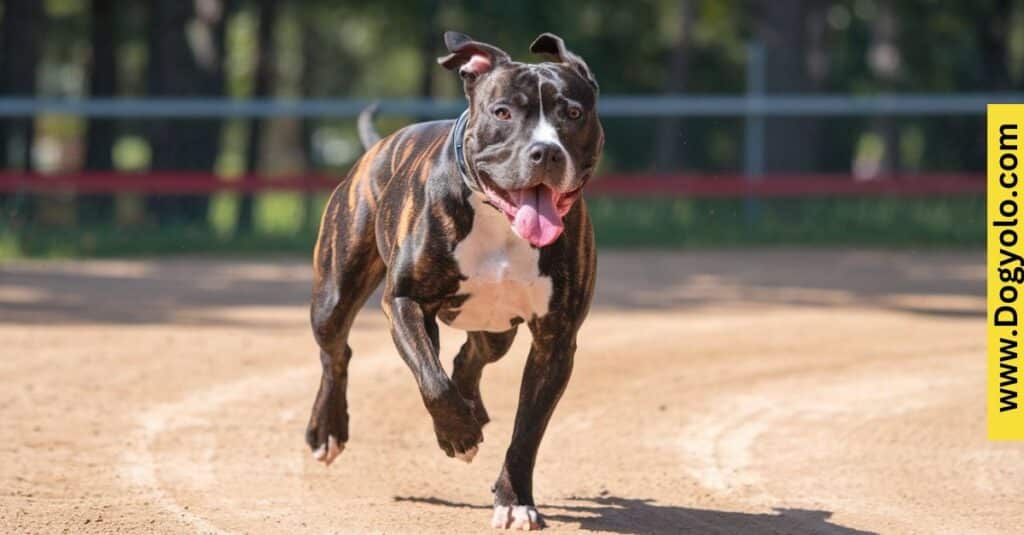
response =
{"points": [[776, 391]]}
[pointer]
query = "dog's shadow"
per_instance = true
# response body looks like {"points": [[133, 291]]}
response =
{"points": [[629, 515]]}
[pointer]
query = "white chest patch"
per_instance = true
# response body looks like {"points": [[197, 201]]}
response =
{"points": [[503, 278]]}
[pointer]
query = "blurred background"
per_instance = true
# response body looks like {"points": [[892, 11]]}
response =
{"points": [[221, 125], [791, 286]]}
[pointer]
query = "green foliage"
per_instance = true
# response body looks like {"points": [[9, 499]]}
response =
{"points": [[386, 49], [958, 221], [327, 49], [886, 222]]}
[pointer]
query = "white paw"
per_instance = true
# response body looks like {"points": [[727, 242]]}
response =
{"points": [[468, 455], [521, 517], [326, 453]]}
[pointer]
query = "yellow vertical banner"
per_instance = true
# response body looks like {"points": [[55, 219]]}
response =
{"points": [[1005, 273]]}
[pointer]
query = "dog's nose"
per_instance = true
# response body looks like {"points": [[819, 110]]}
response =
{"points": [[542, 153]]}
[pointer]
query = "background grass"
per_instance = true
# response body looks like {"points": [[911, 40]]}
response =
{"points": [[286, 224], [953, 221]]}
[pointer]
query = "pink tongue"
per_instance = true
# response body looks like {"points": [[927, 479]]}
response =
{"points": [[537, 219]]}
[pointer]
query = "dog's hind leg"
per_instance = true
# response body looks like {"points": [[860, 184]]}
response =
{"points": [[347, 268], [479, 350]]}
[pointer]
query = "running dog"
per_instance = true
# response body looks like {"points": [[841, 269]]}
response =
{"points": [[479, 223]]}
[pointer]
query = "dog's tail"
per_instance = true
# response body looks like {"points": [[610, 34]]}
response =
{"points": [[368, 135]]}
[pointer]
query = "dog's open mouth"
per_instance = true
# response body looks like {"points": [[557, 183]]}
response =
{"points": [[535, 213]]}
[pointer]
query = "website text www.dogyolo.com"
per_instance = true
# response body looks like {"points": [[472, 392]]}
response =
{"points": [[1005, 271]]}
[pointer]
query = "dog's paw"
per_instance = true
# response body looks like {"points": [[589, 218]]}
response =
{"points": [[467, 456], [521, 517], [327, 452], [461, 442], [458, 431], [327, 431]]}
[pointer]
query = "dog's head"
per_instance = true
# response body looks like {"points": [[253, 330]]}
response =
{"points": [[533, 138]]}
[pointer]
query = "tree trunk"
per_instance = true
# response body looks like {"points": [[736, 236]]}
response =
{"points": [[993, 36], [22, 32], [790, 143], [264, 75], [309, 124], [186, 60], [23, 26], [429, 12], [669, 134], [101, 132], [884, 61], [992, 31]]}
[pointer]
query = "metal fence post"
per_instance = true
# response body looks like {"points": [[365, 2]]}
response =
{"points": [[753, 125]]}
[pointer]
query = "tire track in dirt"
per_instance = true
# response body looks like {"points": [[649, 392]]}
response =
{"points": [[745, 391], [193, 415]]}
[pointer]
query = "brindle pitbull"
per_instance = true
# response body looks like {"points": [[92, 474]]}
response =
{"points": [[479, 223]]}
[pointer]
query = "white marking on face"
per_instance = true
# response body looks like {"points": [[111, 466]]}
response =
{"points": [[503, 277], [546, 133]]}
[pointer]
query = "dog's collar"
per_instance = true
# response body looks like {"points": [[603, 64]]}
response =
{"points": [[458, 139]]}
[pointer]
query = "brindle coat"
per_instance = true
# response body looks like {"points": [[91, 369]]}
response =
{"points": [[398, 216]]}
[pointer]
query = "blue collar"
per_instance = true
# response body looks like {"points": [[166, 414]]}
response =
{"points": [[458, 135]]}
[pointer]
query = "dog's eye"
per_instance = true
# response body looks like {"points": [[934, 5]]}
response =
{"points": [[574, 113], [502, 113]]}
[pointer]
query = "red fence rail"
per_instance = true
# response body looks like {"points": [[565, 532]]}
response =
{"points": [[631, 185]]}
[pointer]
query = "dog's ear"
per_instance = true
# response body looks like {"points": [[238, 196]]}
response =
{"points": [[472, 58], [552, 46]]}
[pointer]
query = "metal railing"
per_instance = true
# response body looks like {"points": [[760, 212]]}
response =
{"points": [[755, 107], [632, 185], [610, 106]]}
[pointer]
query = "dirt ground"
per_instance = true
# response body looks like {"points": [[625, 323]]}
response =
{"points": [[774, 391]]}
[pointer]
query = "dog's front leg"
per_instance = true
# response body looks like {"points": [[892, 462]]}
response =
{"points": [[415, 333], [547, 372]]}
